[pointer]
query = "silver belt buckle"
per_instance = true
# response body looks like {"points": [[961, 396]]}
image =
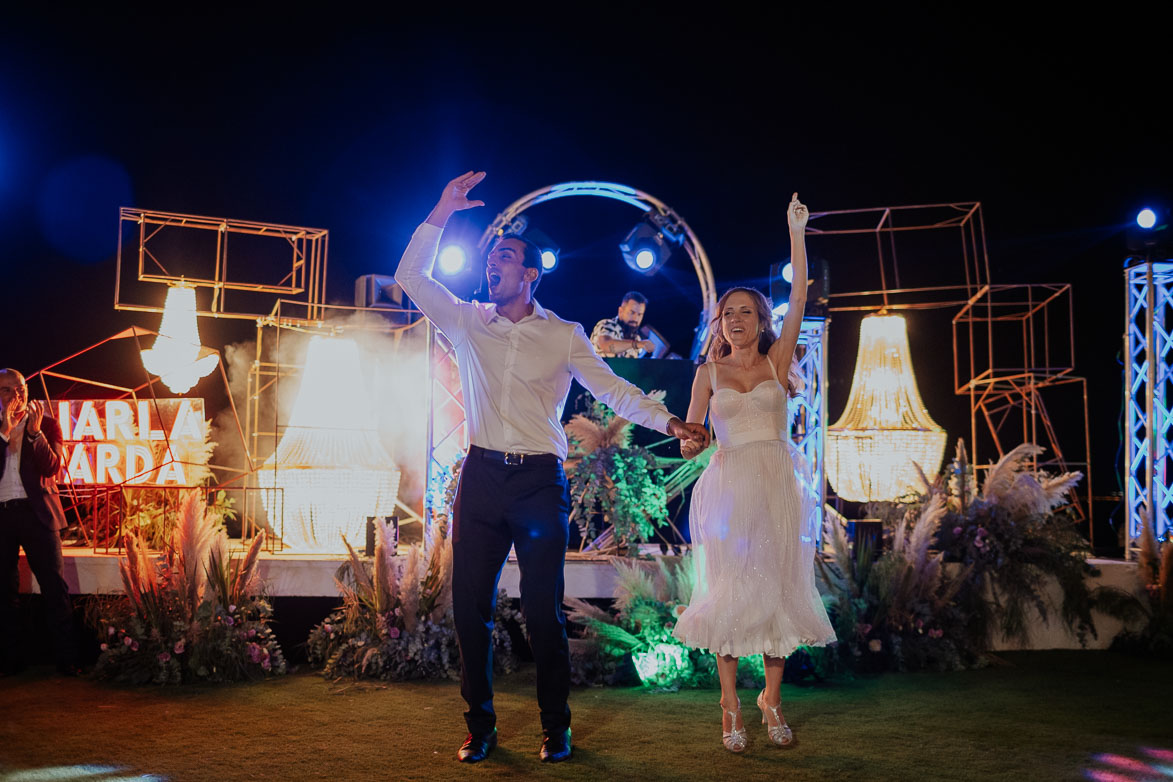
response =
{"points": [[513, 458]]}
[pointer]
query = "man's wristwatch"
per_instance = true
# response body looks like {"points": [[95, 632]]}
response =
{"points": [[33, 435]]}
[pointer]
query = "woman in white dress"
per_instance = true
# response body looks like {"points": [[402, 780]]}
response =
{"points": [[753, 521]]}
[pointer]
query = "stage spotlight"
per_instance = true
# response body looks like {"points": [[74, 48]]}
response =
{"points": [[817, 291], [550, 251], [645, 248], [1149, 234], [781, 274], [453, 259]]}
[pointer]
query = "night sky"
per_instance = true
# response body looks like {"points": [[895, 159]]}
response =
{"points": [[351, 123]]}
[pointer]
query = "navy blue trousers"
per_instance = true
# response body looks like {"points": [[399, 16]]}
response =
{"points": [[20, 528], [526, 506]]}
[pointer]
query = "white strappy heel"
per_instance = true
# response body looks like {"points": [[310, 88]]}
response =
{"points": [[779, 732]]}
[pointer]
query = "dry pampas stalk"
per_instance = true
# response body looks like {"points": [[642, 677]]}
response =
{"points": [[192, 540], [245, 582], [409, 588], [362, 579]]}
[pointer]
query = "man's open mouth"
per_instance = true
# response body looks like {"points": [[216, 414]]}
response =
{"points": [[494, 280]]}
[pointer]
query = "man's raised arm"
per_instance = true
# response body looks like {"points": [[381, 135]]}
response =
{"points": [[414, 273]]}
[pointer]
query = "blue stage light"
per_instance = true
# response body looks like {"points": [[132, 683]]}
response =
{"points": [[549, 260], [788, 272], [781, 309], [453, 259], [645, 248], [1146, 218]]}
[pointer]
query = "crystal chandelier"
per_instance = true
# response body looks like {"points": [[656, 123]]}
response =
{"points": [[330, 468], [885, 428], [177, 356]]}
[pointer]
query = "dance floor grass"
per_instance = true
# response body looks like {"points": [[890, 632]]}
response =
{"points": [[1043, 716]]}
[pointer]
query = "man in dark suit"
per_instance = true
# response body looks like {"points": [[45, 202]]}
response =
{"points": [[31, 517]]}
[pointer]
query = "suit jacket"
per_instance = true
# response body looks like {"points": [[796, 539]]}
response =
{"points": [[40, 462]]}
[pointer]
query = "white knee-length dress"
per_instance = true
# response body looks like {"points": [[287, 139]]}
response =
{"points": [[754, 521]]}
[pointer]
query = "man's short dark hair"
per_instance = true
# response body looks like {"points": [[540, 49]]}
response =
{"points": [[531, 256], [635, 296]]}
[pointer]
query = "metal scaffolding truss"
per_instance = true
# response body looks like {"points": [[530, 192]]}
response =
{"points": [[1013, 345], [170, 248], [447, 431], [98, 511], [1148, 396], [809, 410], [1013, 348], [267, 406], [662, 215]]}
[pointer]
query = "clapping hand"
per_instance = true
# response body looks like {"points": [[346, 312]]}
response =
{"points": [[11, 413], [36, 412], [796, 215]]}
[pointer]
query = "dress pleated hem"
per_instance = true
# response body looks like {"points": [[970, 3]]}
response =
{"points": [[747, 647]]}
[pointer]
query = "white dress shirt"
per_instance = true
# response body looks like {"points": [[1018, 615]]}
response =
{"points": [[10, 486], [516, 376]]}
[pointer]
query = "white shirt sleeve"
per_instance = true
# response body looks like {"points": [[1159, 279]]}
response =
{"points": [[414, 273], [624, 398]]}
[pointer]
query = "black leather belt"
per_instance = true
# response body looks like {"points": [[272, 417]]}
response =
{"points": [[513, 458], [19, 502]]}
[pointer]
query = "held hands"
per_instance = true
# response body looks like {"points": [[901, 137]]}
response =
{"points": [[690, 449], [694, 438], [455, 197], [796, 215]]}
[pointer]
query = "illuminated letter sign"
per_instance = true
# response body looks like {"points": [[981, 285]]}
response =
{"points": [[138, 442]]}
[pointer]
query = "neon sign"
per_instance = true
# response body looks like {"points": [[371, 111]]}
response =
{"points": [[139, 442]]}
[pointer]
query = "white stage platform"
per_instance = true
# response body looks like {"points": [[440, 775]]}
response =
{"points": [[305, 575], [312, 575]]}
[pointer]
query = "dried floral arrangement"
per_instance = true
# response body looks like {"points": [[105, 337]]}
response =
{"points": [[194, 614]]}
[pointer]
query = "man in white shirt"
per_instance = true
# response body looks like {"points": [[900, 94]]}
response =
{"points": [[516, 361]]}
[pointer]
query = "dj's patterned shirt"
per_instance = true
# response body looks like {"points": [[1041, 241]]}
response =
{"points": [[615, 329]]}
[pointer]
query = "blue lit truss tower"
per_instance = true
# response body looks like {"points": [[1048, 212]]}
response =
{"points": [[808, 411], [1148, 395], [447, 428]]}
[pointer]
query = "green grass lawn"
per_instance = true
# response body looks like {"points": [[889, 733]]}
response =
{"points": [[1043, 716]]}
